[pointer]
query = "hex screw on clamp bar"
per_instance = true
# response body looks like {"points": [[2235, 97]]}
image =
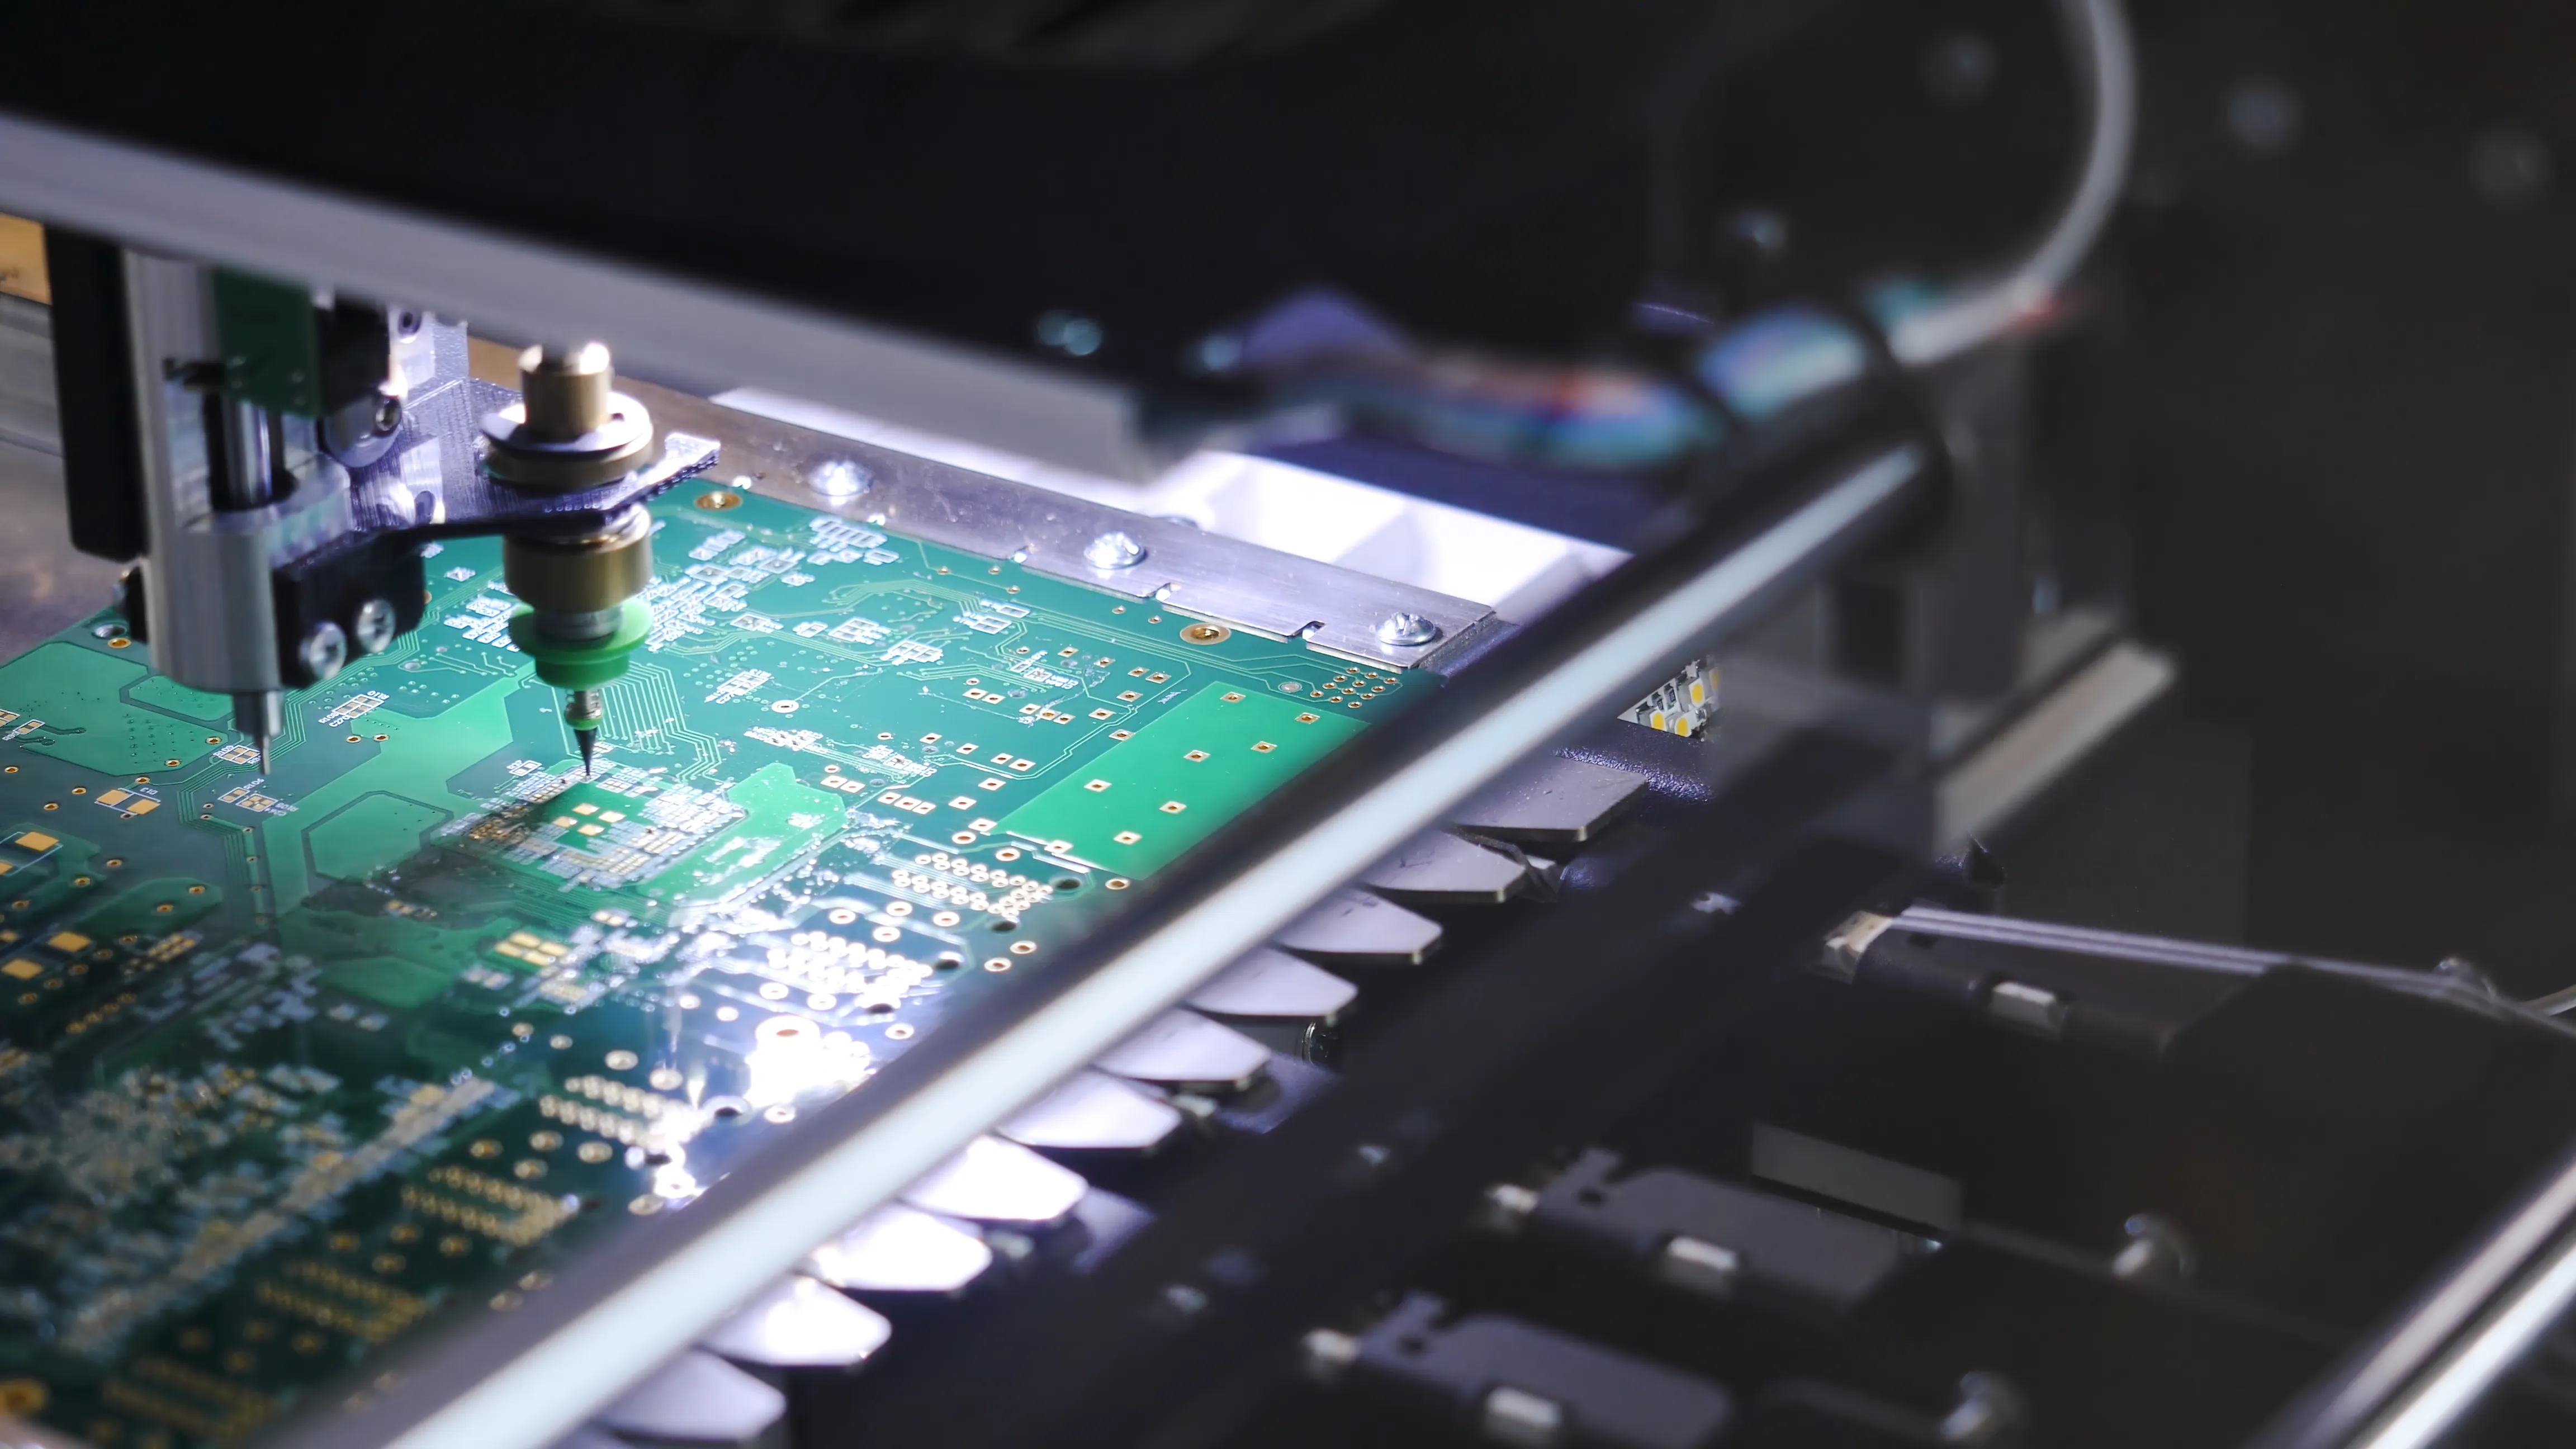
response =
{"points": [[373, 630], [1407, 630], [1114, 551]]}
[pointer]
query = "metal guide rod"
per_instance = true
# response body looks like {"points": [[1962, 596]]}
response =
{"points": [[2440, 1354], [529, 1377]]}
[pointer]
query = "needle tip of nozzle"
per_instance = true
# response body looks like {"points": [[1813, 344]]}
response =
{"points": [[583, 712], [259, 715]]}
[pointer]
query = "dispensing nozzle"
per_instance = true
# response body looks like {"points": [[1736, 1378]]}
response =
{"points": [[580, 617]]}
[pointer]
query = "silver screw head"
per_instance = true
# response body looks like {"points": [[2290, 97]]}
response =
{"points": [[1406, 629], [2156, 1249], [838, 478], [1328, 1353], [1507, 1206], [1989, 1408], [324, 650], [374, 631], [1114, 551]]}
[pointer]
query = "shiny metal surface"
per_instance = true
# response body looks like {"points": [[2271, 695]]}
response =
{"points": [[659, 323], [696, 1398], [1359, 928], [2411, 1383], [27, 376], [899, 1249], [585, 575], [324, 649], [44, 586], [1438, 866], [569, 430], [1192, 572], [210, 543], [1185, 1049], [212, 617], [1274, 985], [249, 477], [1095, 1113], [1552, 800], [800, 1323], [993, 1181], [374, 627]]}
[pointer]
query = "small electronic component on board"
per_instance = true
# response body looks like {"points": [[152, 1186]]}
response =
{"points": [[1682, 705]]}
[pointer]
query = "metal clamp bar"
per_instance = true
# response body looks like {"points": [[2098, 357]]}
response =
{"points": [[1204, 575]]}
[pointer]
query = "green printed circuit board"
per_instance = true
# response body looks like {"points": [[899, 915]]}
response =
{"points": [[293, 1066]]}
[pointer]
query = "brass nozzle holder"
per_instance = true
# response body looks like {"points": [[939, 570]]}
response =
{"points": [[587, 574], [565, 393], [571, 428]]}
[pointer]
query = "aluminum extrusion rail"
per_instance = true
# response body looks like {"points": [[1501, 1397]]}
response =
{"points": [[659, 321]]}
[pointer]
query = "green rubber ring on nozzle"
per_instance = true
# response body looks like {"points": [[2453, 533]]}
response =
{"points": [[586, 664]]}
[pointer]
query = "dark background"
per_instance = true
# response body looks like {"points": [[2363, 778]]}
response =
{"points": [[2346, 350]]}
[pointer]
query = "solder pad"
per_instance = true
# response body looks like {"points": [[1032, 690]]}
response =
{"points": [[1138, 807], [292, 1067]]}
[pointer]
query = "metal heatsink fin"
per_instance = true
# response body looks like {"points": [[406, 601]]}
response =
{"points": [[1362, 930], [899, 1249], [1272, 985], [799, 1323], [993, 1181], [1555, 801], [1441, 868], [1095, 1113], [696, 1398], [1185, 1050]]}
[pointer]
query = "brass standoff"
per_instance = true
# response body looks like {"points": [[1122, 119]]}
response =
{"points": [[571, 428]]}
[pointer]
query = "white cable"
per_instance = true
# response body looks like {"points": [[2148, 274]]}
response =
{"points": [[2106, 72]]}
